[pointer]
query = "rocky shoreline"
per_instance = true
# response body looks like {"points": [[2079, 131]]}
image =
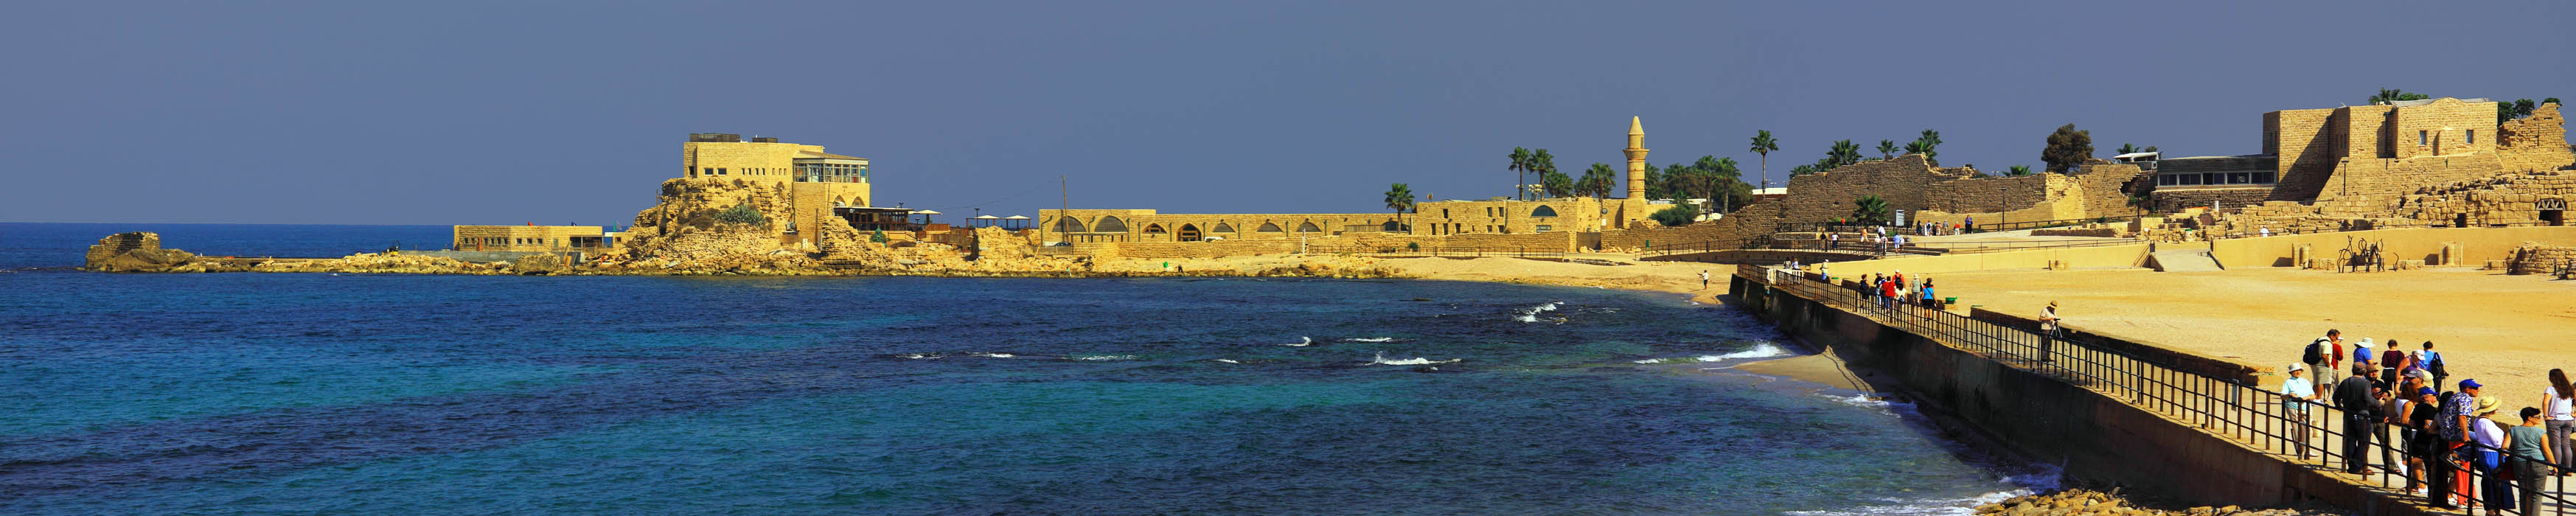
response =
{"points": [[2085, 502]]}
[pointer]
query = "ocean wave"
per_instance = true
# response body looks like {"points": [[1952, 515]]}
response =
{"points": [[1761, 350], [1100, 358], [1302, 342], [1228, 360], [2042, 478], [920, 356], [1381, 360], [1531, 315], [1371, 339], [995, 355]]}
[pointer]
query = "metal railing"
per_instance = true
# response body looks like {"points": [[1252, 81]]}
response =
{"points": [[1994, 246], [2261, 419]]}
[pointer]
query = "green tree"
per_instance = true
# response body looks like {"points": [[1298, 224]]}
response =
{"points": [[2551, 100], [2018, 170], [1801, 170], [1844, 152], [1763, 145], [743, 214], [1555, 184], [1596, 181], [2127, 148], [878, 236], [1871, 210], [1520, 169], [1680, 214], [2392, 95], [1727, 186], [1542, 164], [1399, 197], [2067, 148], [1887, 149], [1655, 183]]}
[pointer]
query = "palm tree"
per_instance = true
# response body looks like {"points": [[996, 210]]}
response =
{"points": [[1542, 163], [1596, 181], [1887, 149], [2128, 148], [2018, 170], [1728, 175], [1763, 145], [1520, 165], [1931, 142], [1844, 152], [1399, 197], [1871, 210]]}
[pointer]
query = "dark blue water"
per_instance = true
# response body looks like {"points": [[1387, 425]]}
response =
{"points": [[365, 394]]}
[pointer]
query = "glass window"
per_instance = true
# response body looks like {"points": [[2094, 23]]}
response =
{"points": [[2213, 178], [2473, 136], [2188, 179], [2423, 137], [2165, 180], [2238, 178], [1542, 228], [2263, 178]]}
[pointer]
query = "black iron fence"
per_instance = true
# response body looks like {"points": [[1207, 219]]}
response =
{"points": [[2260, 418]]}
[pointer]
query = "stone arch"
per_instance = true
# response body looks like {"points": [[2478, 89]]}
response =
{"points": [[840, 202], [1308, 227], [1543, 211], [1390, 227], [1223, 228], [1068, 225], [1267, 227], [1188, 233], [1109, 224], [1153, 229]]}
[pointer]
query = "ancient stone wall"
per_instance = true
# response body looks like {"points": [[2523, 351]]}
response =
{"points": [[2444, 127], [118, 244], [2537, 258], [518, 238], [2373, 187], [2307, 154], [1568, 214], [2509, 199], [2537, 142], [1905, 182], [2175, 200]]}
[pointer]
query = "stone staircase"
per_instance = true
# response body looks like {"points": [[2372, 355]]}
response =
{"points": [[2183, 261]]}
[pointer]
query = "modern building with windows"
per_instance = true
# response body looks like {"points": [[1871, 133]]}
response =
{"points": [[814, 181]]}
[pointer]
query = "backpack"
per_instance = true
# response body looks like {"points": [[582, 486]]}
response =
{"points": [[2433, 364], [2316, 352]]}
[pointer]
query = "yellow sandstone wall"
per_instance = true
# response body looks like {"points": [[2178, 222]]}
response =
{"points": [[518, 238], [2477, 244]]}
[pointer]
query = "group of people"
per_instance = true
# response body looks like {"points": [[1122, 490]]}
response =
{"points": [[2442, 435], [1893, 289]]}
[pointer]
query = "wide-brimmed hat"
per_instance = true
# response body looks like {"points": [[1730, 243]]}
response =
{"points": [[2488, 405], [2297, 367], [2365, 342]]}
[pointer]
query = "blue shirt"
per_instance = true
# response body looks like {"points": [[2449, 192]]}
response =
{"points": [[2461, 404], [2362, 355]]}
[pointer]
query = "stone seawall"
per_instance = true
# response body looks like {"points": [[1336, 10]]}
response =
{"points": [[2096, 438]]}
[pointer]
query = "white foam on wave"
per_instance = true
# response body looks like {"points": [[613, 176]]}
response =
{"points": [[995, 355], [1371, 339], [1100, 358], [1759, 350], [919, 356], [1228, 360], [1531, 315], [1381, 360], [1302, 342]]}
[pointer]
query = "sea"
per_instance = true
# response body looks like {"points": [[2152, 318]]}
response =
{"points": [[261, 394]]}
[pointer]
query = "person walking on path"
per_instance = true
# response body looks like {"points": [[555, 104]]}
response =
{"points": [[2296, 393], [2528, 444], [2488, 456], [2558, 414], [2048, 336], [2359, 400], [1703, 279], [2324, 353]]}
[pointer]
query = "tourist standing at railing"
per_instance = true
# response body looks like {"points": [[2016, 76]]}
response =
{"points": [[2559, 415], [2392, 366], [2363, 357], [2402, 409], [2488, 455], [2048, 337], [2359, 400], [2431, 454], [2531, 456], [1886, 292], [2296, 393], [2433, 363], [2457, 411], [1928, 300]]}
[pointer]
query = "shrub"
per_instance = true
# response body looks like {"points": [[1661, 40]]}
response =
{"points": [[877, 236], [1412, 246], [1680, 214], [743, 214]]}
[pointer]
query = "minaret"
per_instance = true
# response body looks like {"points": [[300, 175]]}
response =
{"points": [[1633, 208]]}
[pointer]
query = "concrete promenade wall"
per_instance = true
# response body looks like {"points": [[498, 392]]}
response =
{"points": [[2134, 255], [2477, 244], [2093, 436]]}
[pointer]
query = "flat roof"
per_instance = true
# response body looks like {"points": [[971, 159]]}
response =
{"points": [[807, 154]]}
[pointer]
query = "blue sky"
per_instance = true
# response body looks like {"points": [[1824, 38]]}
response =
{"points": [[565, 112]]}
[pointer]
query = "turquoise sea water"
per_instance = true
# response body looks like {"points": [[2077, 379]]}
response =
{"points": [[373, 394]]}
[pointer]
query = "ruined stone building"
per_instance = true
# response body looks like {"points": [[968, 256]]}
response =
{"points": [[2441, 161]]}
